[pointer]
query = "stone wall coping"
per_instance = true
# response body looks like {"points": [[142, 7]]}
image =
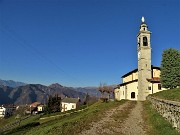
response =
{"points": [[176, 103]]}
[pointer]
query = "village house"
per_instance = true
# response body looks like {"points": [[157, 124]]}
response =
{"points": [[69, 104], [6, 110], [35, 108], [139, 83]]}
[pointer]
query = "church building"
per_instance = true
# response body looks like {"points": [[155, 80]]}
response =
{"points": [[139, 83]]}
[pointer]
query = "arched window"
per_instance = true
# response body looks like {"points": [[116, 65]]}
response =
{"points": [[145, 42], [132, 94]]}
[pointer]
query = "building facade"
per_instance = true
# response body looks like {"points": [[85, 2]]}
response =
{"points": [[6, 110], [145, 80], [69, 104]]}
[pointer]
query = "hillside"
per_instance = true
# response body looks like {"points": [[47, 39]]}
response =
{"points": [[35, 92], [111, 118], [171, 94], [93, 91]]}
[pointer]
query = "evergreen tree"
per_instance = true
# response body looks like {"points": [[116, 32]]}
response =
{"points": [[170, 68], [54, 104]]}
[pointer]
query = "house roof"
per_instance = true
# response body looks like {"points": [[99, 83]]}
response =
{"points": [[154, 79], [70, 100], [35, 104], [135, 70]]}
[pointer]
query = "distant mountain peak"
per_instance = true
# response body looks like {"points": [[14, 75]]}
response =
{"points": [[55, 85], [11, 83]]}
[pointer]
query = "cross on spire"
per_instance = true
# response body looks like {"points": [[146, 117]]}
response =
{"points": [[142, 19]]}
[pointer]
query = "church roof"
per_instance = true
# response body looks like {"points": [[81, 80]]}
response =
{"points": [[135, 70], [122, 84], [154, 79]]}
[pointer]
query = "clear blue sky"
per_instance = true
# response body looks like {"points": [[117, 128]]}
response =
{"points": [[81, 42]]}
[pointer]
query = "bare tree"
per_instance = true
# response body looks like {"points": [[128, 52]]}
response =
{"points": [[104, 88], [109, 91], [101, 89]]}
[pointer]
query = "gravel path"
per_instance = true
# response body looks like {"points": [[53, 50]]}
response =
{"points": [[98, 127], [132, 125]]}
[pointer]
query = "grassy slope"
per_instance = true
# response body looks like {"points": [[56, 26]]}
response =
{"points": [[157, 125], [172, 94], [71, 124]]}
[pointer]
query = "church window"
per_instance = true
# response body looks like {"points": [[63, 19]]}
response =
{"points": [[144, 28], [145, 43], [149, 88], [123, 92], [132, 94], [139, 42], [159, 86], [126, 87]]}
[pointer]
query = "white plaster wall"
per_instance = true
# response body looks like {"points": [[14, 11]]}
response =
{"points": [[68, 106], [155, 88], [120, 93], [135, 75], [132, 87], [2, 111], [117, 94], [156, 73]]}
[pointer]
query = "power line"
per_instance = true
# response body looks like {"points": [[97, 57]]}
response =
{"points": [[37, 52]]}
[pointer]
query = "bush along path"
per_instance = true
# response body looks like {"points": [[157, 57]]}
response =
{"points": [[125, 119]]}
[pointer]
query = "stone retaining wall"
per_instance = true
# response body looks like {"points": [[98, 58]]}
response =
{"points": [[168, 109]]}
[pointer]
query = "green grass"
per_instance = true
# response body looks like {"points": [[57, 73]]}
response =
{"points": [[157, 125], [171, 94], [5, 121], [60, 113], [23, 124], [68, 125]]}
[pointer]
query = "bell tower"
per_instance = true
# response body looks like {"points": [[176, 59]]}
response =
{"points": [[144, 60]]}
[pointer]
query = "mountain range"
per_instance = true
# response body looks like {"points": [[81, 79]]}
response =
{"points": [[20, 93], [11, 83]]}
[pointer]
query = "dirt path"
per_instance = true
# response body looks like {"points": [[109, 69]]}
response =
{"points": [[110, 125], [133, 125]]}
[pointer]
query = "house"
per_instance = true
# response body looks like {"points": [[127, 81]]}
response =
{"points": [[139, 83], [35, 108], [40, 108], [69, 104], [6, 110]]}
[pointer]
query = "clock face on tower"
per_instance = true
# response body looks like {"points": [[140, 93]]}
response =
{"points": [[139, 54]]}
